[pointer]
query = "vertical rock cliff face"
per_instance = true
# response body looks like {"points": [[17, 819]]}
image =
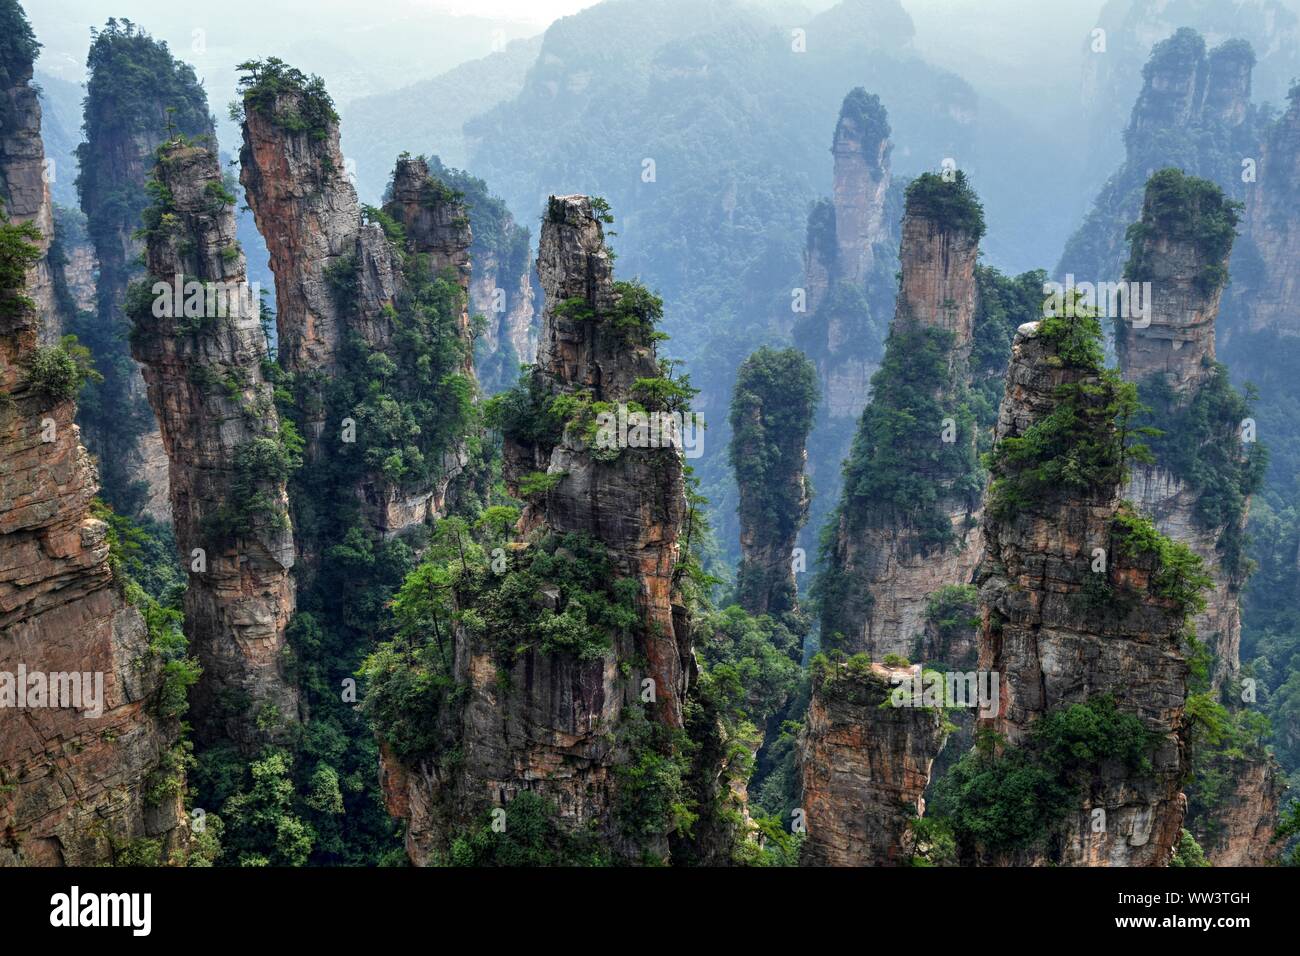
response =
{"points": [[642, 491], [1059, 632], [847, 237], [771, 411], [543, 720], [861, 149], [502, 290], [437, 226], [339, 277], [136, 91], [864, 765], [1240, 830], [908, 524], [24, 186], [1193, 113], [513, 330], [307, 211], [229, 459], [1173, 357], [75, 781], [1273, 230], [1182, 249]]}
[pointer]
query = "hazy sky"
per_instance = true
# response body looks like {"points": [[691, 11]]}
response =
{"points": [[541, 12]]}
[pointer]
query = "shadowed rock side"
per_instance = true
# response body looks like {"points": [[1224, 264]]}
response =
{"points": [[908, 521], [1273, 288], [1053, 646], [229, 457], [553, 722], [75, 784], [864, 765]]}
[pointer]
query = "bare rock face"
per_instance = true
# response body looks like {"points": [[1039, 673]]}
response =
{"points": [[1177, 345], [1272, 227], [548, 722], [636, 505], [938, 285], [887, 563], [1051, 651], [861, 149], [307, 211], [77, 783], [1174, 347], [1182, 86], [1240, 831], [436, 225], [864, 765], [114, 163], [75, 776], [1161, 494], [204, 365]]}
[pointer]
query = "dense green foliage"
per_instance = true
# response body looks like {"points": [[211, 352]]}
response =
{"points": [[500, 250], [290, 98], [953, 612], [1188, 852], [1001, 798], [1085, 443], [137, 95], [902, 468], [1002, 304], [1179, 574], [867, 114], [58, 372], [1184, 208], [772, 411], [950, 203], [531, 837], [18, 252], [1200, 442]]}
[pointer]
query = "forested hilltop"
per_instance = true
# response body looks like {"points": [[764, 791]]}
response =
{"points": [[620, 481]]}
